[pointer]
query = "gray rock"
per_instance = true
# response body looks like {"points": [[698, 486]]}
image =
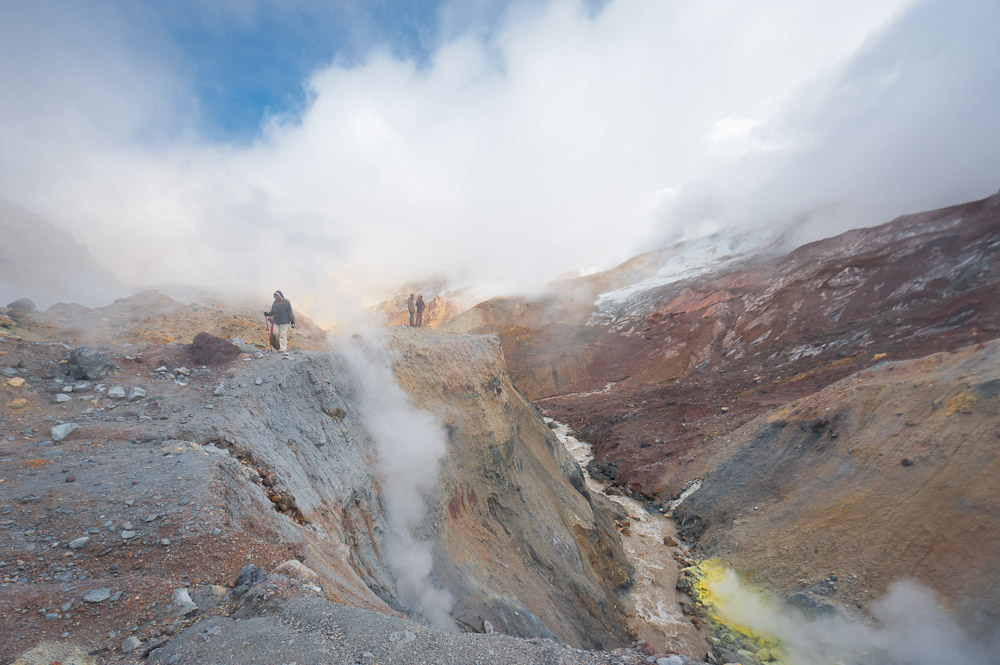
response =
{"points": [[131, 644], [165, 542], [151, 518], [402, 636], [136, 393], [116, 392], [9, 372], [183, 371], [62, 397], [128, 535], [79, 543], [249, 575], [22, 304], [85, 362], [219, 390], [97, 595], [60, 432], [810, 605], [258, 381], [181, 603]]}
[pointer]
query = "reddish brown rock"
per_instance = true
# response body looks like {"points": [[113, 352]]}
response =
{"points": [[212, 350]]}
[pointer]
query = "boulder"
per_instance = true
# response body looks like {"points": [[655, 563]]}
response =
{"points": [[249, 575], [181, 603], [85, 362], [22, 305], [211, 350]]}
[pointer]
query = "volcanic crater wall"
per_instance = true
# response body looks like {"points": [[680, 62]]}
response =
{"points": [[517, 539]]}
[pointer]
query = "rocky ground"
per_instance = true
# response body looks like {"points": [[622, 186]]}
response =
{"points": [[137, 480]]}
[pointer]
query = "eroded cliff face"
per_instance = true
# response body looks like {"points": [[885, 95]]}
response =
{"points": [[517, 539], [522, 541], [890, 473], [277, 456]]}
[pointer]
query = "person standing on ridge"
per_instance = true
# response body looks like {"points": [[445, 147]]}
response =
{"points": [[281, 316], [411, 308], [420, 310]]}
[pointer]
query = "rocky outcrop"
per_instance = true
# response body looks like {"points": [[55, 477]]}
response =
{"points": [[517, 538], [887, 474], [278, 456]]}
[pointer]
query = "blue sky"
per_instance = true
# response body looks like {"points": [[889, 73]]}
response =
{"points": [[491, 144], [246, 64]]}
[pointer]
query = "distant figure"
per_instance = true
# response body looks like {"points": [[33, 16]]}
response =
{"points": [[411, 308], [420, 310], [281, 316]]}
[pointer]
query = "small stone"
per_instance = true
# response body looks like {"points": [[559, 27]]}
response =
{"points": [[150, 518], [79, 543], [51, 616], [127, 526], [161, 368], [70, 478], [402, 636], [66, 607], [116, 392], [258, 381], [131, 644], [128, 535], [60, 432], [136, 393], [18, 403], [219, 391], [97, 595], [165, 542], [907, 462], [62, 397], [16, 382], [183, 371]]}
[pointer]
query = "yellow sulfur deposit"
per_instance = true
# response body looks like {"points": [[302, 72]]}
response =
{"points": [[708, 579]]}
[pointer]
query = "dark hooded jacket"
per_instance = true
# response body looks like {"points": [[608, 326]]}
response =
{"points": [[281, 311]]}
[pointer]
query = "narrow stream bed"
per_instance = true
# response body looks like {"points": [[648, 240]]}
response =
{"points": [[655, 614]]}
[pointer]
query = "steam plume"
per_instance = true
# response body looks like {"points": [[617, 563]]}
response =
{"points": [[912, 629], [409, 446]]}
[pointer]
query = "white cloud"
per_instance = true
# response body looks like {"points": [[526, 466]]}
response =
{"points": [[513, 155]]}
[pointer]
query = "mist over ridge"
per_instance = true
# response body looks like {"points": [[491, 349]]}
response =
{"points": [[562, 138]]}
